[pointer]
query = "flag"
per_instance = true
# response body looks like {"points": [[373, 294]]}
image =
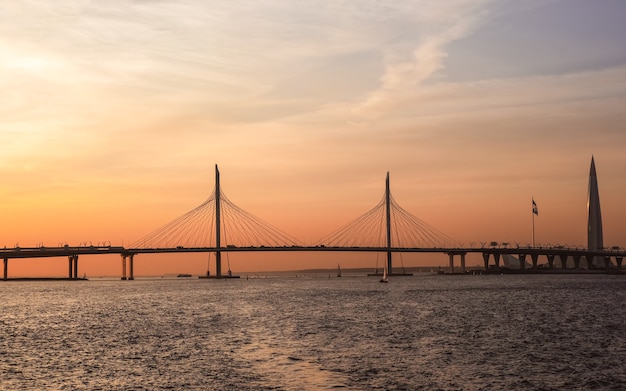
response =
{"points": [[535, 210]]}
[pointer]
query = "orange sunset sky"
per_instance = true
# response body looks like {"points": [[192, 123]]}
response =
{"points": [[114, 114]]}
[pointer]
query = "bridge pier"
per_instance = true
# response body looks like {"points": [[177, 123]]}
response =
{"points": [[589, 258], [486, 260], [451, 256], [6, 269], [619, 260], [550, 261], [576, 261], [72, 261], [535, 258], [522, 261], [123, 267], [496, 256], [563, 258], [76, 267], [131, 267], [218, 264]]}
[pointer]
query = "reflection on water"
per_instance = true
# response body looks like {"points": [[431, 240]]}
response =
{"points": [[316, 333]]}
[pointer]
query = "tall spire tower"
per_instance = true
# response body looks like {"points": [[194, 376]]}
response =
{"points": [[594, 220]]}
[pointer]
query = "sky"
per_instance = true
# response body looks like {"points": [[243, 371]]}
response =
{"points": [[114, 115]]}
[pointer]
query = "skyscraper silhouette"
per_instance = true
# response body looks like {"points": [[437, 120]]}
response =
{"points": [[594, 219]]}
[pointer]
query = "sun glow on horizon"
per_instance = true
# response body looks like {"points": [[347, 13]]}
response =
{"points": [[114, 114]]}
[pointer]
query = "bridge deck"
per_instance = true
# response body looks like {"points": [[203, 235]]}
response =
{"points": [[43, 252]]}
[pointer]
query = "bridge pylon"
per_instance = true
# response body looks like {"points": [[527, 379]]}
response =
{"points": [[216, 226], [388, 223], [390, 228], [218, 201], [388, 243], [218, 231]]}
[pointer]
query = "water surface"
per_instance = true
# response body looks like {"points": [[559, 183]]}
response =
{"points": [[313, 332]]}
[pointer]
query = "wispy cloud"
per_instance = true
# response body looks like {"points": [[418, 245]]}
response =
{"points": [[231, 79], [405, 73]]}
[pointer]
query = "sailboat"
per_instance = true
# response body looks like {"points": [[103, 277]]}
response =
{"points": [[338, 270], [384, 279]]}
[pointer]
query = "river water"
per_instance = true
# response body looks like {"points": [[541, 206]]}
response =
{"points": [[316, 332]]}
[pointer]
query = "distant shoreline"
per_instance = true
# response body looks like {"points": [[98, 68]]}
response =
{"points": [[44, 279], [420, 270]]}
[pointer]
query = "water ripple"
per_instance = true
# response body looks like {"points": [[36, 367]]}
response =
{"points": [[428, 332]]}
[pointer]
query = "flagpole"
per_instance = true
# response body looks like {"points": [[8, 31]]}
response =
{"points": [[532, 212]]}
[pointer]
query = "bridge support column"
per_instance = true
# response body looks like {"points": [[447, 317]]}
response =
{"points": [[75, 266], [70, 262], [123, 267], [218, 225], [496, 256], [131, 275], [6, 269], [619, 260], [486, 260], [589, 259], [451, 256], [607, 262], [563, 258], [550, 261], [522, 261], [576, 261], [535, 258], [463, 269], [218, 264]]}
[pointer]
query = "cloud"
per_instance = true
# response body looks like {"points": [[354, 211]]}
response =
{"points": [[143, 82], [225, 54], [499, 95], [444, 22]]}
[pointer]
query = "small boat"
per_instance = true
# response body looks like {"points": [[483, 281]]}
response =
{"points": [[384, 279], [184, 275], [338, 270]]}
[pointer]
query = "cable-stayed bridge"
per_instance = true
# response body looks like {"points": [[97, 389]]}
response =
{"points": [[218, 221], [219, 226]]}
